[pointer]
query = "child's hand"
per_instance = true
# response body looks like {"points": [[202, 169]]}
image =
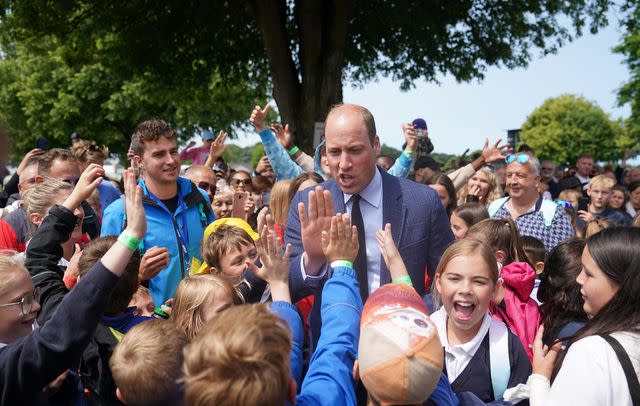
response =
{"points": [[88, 182], [136, 217], [544, 357], [275, 263], [341, 242], [390, 253]]}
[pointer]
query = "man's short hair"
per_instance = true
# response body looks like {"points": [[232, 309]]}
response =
{"points": [[147, 364], [127, 284], [150, 130], [583, 156], [427, 162], [221, 241], [601, 181], [533, 161], [241, 357], [367, 118], [55, 154]]}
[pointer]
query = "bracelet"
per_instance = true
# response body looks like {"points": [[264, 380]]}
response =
{"points": [[293, 150], [340, 262], [404, 279], [409, 154], [128, 240]]}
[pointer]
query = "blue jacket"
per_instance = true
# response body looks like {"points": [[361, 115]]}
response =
{"points": [[165, 230]]}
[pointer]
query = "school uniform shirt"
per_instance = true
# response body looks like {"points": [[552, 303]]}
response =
{"points": [[591, 374], [467, 365]]}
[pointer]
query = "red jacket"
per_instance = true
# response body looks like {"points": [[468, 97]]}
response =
{"points": [[517, 310]]}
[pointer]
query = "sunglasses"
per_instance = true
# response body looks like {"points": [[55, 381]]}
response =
{"points": [[26, 303], [241, 181], [521, 158], [206, 186]]}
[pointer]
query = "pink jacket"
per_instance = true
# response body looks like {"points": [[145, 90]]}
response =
{"points": [[517, 310]]}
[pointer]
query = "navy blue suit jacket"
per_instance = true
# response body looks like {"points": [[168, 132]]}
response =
{"points": [[419, 225]]}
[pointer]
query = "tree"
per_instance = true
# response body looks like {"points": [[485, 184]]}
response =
{"points": [[565, 127], [307, 48], [629, 47]]}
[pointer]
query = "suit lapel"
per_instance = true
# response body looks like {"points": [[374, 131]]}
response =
{"points": [[337, 196], [393, 212]]}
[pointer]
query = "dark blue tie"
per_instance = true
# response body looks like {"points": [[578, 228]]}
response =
{"points": [[360, 263]]}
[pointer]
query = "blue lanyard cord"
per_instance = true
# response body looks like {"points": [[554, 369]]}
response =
{"points": [[183, 235]]}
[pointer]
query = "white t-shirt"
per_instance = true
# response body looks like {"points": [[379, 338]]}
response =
{"points": [[591, 374]]}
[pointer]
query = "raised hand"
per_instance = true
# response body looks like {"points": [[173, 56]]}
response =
{"points": [[313, 222], [390, 253], [341, 242], [411, 137], [88, 182], [496, 152], [218, 146], [275, 263], [283, 135], [258, 117], [136, 217], [154, 260], [27, 159]]}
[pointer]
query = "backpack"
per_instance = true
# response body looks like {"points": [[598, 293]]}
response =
{"points": [[499, 362], [547, 207]]}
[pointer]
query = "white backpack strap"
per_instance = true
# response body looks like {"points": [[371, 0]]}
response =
{"points": [[496, 205], [499, 357], [548, 210]]}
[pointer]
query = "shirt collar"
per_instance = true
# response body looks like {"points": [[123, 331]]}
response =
{"points": [[372, 193], [471, 346]]}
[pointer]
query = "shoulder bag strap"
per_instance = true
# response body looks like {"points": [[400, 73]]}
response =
{"points": [[627, 367]]}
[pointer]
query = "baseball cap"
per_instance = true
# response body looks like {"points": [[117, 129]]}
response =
{"points": [[426, 162], [420, 123], [207, 135], [400, 356]]}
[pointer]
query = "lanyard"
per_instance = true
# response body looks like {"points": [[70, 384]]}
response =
{"points": [[183, 235]]}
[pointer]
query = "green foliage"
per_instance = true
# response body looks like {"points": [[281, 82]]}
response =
{"points": [[390, 151], [565, 127], [236, 154], [256, 154], [629, 47]]}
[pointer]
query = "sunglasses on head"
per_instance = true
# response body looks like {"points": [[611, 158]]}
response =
{"points": [[521, 158]]}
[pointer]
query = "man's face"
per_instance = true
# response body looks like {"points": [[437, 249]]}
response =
{"points": [[548, 168], [634, 175], [584, 166], [160, 161], [423, 174], [351, 157], [66, 171], [27, 178], [521, 180], [599, 197], [204, 178]]}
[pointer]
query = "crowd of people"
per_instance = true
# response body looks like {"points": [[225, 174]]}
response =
{"points": [[340, 277]]}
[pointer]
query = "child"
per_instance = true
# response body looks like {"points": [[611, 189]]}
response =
{"points": [[561, 311], [482, 355], [514, 305], [599, 192], [199, 298], [535, 252], [143, 302], [465, 216], [442, 184], [600, 363], [147, 364], [48, 351]]}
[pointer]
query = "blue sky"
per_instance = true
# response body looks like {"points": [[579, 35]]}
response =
{"points": [[461, 115]]}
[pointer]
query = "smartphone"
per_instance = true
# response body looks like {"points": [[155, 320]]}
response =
{"points": [[583, 203], [265, 198], [41, 143], [239, 200]]}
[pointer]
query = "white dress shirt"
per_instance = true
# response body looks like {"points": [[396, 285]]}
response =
{"points": [[372, 217]]}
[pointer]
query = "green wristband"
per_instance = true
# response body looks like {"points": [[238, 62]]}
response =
{"points": [[129, 241], [340, 262], [404, 279], [293, 150], [409, 154]]}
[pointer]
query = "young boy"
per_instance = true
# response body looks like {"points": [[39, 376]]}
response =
{"points": [[147, 364], [599, 192]]}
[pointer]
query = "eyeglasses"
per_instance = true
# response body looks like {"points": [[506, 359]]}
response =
{"points": [[207, 186], [241, 181], [72, 181], [27, 302], [521, 158]]}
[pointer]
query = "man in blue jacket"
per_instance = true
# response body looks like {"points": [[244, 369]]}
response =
{"points": [[177, 211]]}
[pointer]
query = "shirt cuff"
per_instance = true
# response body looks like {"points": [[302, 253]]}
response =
{"points": [[312, 280], [539, 387]]}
